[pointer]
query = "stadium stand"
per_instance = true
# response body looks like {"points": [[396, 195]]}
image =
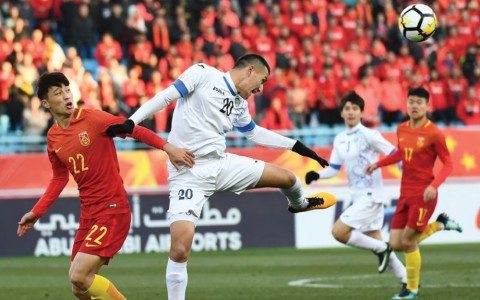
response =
{"points": [[117, 54]]}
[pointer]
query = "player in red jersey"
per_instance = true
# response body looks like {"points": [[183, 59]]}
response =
{"points": [[420, 142], [77, 143]]}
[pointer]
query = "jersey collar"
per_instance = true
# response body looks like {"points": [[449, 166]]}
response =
{"points": [[354, 129], [229, 82]]}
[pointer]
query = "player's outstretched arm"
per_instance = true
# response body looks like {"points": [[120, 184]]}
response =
{"points": [[303, 150], [26, 223], [161, 100], [268, 138]]}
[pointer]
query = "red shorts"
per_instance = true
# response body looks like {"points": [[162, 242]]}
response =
{"points": [[103, 236], [413, 212]]}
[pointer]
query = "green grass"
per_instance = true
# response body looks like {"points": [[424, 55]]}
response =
{"points": [[448, 272]]}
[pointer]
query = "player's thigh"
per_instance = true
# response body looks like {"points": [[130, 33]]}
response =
{"points": [[190, 190], [85, 264], [396, 239], [239, 173], [102, 237], [181, 237], [274, 176], [341, 231], [364, 214], [420, 213]]}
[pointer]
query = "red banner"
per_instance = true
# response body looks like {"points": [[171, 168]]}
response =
{"points": [[147, 169]]}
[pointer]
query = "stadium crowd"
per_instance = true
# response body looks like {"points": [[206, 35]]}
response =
{"points": [[118, 54]]}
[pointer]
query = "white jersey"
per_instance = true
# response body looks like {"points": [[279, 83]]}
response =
{"points": [[357, 148], [209, 108]]}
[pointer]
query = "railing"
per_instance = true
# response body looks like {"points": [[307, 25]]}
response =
{"points": [[320, 136]]}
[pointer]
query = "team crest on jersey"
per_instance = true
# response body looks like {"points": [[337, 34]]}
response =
{"points": [[420, 141], [237, 101], [84, 139]]}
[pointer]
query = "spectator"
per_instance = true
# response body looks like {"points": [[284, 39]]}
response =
{"points": [[35, 119], [468, 109], [108, 49], [83, 32], [276, 117]]}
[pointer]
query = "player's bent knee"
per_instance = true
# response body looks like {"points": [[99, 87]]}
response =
{"points": [[408, 245], [179, 253], [339, 235]]}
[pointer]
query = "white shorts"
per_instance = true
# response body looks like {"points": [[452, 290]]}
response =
{"points": [[365, 213], [191, 188]]}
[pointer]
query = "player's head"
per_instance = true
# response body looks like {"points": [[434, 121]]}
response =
{"points": [[249, 74], [417, 103], [53, 89], [351, 109]]}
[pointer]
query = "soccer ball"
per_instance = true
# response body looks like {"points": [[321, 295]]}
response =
{"points": [[417, 22]]}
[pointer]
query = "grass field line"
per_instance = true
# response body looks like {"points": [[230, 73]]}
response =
{"points": [[323, 282]]}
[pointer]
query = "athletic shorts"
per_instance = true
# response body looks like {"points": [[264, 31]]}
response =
{"points": [[365, 214], [103, 236], [190, 188], [413, 212]]}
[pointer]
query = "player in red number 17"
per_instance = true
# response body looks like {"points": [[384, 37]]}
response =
{"points": [[420, 142]]}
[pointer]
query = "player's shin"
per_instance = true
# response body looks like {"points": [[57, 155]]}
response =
{"points": [[413, 262], [295, 195], [429, 230], [102, 288], [176, 279], [397, 268]]}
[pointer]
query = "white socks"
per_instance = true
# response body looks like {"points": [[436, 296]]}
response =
{"points": [[397, 268], [177, 279], [360, 240], [295, 195]]}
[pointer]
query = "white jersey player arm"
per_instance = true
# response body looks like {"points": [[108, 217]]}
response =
{"points": [[335, 164], [381, 144], [161, 100], [265, 137], [182, 87]]}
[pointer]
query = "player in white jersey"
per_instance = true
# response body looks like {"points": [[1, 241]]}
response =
{"points": [[210, 104], [356, 148]]}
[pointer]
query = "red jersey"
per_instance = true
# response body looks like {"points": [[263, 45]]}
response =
{"points": [[84, 150], [418, 148]]}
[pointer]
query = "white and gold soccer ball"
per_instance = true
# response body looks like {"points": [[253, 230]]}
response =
{"points": [[417, 22]]}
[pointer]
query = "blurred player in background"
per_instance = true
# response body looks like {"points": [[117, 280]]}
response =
{"points": [[356, 148], [420, 142], [212, 103], [77, 143]]}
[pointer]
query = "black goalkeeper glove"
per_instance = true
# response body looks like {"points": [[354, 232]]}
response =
{"points": [[119, 129], [303, 150], [311, 176]]}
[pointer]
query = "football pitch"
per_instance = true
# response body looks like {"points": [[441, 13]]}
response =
{"points": [[448, 272]]}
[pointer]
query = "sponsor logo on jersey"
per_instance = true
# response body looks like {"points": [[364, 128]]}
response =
{"points": [[420, 141], [218, 90], [84, 139]]}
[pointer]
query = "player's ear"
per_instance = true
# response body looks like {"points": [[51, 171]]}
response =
{"points": [[45, 103]]}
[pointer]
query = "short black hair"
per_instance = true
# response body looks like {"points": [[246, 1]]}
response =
{"points": [[47, 80], [353, 98], [419, 92], [251, 58]]}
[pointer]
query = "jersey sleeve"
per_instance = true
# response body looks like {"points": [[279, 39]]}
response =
{"points": [[190, 79], [336, 160], [380, 143], [55, 187], [243, 120], [441, 149]]}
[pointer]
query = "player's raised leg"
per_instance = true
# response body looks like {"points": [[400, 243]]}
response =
{"points": [[443, 222], [291, 187], [176, 273], [86, 283]]}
